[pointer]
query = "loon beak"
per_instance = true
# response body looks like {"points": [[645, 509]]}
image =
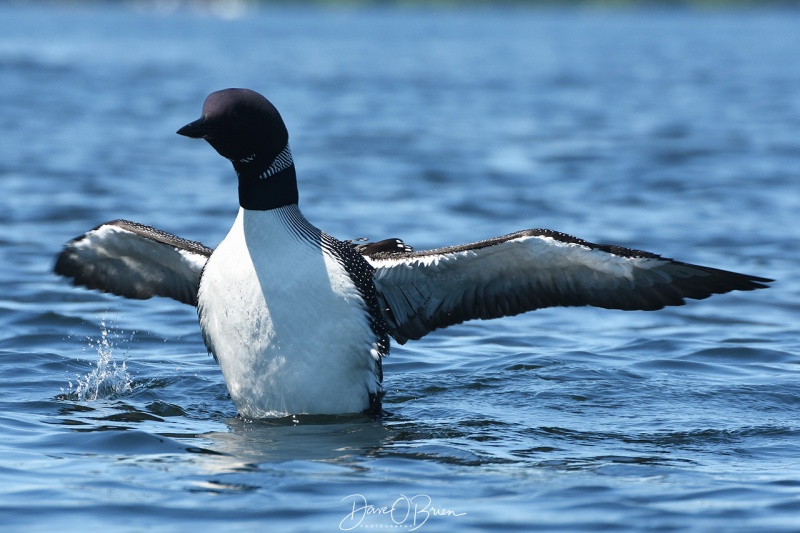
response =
{"points": [[196, 130]]}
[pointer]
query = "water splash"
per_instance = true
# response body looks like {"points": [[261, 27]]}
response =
{"points": [[108, 379]]}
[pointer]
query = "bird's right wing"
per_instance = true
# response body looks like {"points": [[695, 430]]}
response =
{"points": [[135, 261]]}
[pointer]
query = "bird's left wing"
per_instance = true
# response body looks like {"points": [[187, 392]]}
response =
{"points": [[136, 261], [532, 269]]}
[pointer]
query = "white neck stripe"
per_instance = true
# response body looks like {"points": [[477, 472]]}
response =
{"points": [[282, 161]]}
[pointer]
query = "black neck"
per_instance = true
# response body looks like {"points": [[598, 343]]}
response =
{"points": [[263, 193], [266, 182]]}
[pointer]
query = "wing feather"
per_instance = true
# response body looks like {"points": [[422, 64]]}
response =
{"points": [[135, 261], [532, 269]]}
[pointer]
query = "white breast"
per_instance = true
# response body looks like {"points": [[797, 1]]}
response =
{"points": [[287, 325]]}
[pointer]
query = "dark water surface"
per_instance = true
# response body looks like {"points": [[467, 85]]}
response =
{"points": [[675, 132]]}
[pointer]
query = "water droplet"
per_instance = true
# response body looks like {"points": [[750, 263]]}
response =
{"points": [[108, 379]]}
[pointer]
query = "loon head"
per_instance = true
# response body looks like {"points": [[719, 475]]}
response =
{"points": [[244, 127], [241, 125]]}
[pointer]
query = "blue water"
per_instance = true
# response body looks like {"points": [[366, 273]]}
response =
{"points": [[674, 132]]}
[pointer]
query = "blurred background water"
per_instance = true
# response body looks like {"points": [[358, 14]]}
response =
{"points": [[674, 131]]}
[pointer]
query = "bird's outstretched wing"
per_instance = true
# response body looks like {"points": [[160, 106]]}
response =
{"points": [[531, 269], [136, 261]]}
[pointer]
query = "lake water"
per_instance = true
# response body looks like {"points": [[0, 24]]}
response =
{"points": [[673, 132]]}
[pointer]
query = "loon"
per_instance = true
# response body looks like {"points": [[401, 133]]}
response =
{"points": [[299, 321]]}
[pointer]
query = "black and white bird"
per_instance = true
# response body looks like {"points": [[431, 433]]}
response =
{"points": [[299, 320]]}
